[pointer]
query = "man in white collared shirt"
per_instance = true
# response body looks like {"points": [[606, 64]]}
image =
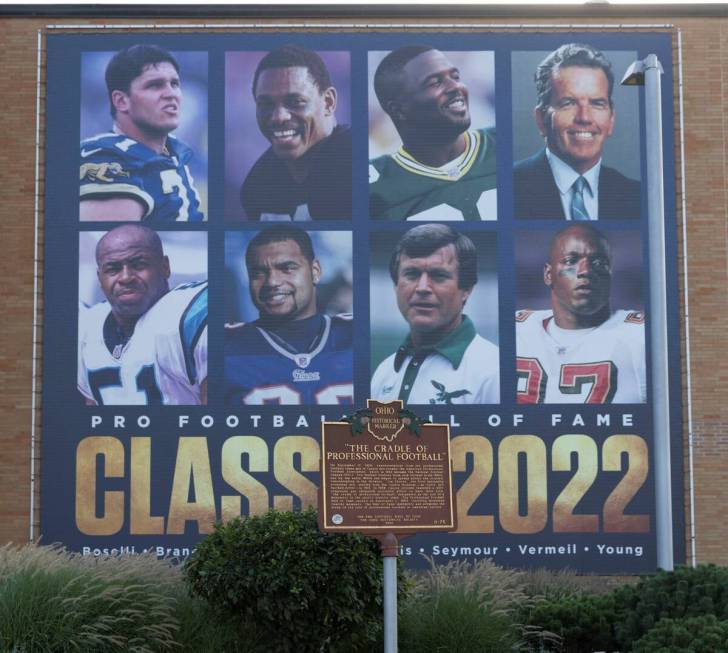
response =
{"points": [[575, 115], [443, 360]]}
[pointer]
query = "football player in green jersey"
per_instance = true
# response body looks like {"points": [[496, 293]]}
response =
{"points": [[444, 170]]}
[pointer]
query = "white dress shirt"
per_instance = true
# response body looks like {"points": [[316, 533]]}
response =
{"points": [[565, 176]]}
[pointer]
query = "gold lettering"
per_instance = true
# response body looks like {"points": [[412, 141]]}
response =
{"points": [[288, 476], [481, 473], [237, 478], [141, 521], [534, 450], [192, 468], [112, 517], [565, 521]]}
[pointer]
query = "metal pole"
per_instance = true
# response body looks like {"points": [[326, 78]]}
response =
{"points": [[390, 550], [390, 605], [657, 319]]}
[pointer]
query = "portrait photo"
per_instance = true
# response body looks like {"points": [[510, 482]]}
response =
{"points": [[433, 297], [144, 135], [576, 135], [288, 135], [432, 137], [288, 311], [142, 323], [580, 319]]}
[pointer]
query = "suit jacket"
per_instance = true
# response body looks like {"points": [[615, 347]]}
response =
{"points": [[535, 195]]}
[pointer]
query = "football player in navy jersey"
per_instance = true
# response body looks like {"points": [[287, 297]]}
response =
{"points": [[139, 171], [146, 344], [306, 172], [292, 354]]}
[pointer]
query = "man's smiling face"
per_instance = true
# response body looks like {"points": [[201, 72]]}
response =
{"points": [[579, 117], [292, 112], [282, 281], [433, 95]]}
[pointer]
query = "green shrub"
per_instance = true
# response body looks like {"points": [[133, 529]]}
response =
{"points": [[583, 622], [684, 592], [205, 630], [617, 620], [464, 608], [304, 589], [692, 635]]}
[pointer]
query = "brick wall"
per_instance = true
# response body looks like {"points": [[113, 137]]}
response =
{"points": [[705, 61]]}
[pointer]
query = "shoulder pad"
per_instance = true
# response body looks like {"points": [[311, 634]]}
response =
{"points": [[373, 173], [635, 317], [179, 149], [119, 145], [104, 137], [523, 315], [190, 284], [107, 141]]}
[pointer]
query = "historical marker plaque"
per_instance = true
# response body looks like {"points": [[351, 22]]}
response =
{"points": [[385, 471]]}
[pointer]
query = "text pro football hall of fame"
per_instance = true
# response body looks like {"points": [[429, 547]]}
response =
{"points": [[257, 233]]}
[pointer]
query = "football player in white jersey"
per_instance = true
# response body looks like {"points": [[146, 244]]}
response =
{"points": [[580, 351], [443, 360], [146, 344]]}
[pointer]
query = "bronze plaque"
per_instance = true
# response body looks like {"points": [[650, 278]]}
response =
{"points": [[385, 471]]}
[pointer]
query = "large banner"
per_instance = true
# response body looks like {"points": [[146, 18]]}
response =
{"points": [[249, 234]]}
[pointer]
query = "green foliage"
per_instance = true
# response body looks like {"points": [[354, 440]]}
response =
{"points": [[288, 587], [358, 420], [204, 630], [684, 592], [453, 622], [464, 608], [691, 635], [617, 620], [584, 622], [53, 601], [302, 588], [544, 583]]}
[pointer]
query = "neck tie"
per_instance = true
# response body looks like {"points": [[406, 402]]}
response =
{"points": [[578, 210]]}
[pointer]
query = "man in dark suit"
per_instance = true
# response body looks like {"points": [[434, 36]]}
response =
{"points": [[575, 115]]}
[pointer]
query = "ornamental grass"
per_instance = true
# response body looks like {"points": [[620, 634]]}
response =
{"points": [[54, 601], [464, 607]]}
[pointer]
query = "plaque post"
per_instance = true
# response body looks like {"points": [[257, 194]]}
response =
{"points": [[390, 549], [387, 474]]}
